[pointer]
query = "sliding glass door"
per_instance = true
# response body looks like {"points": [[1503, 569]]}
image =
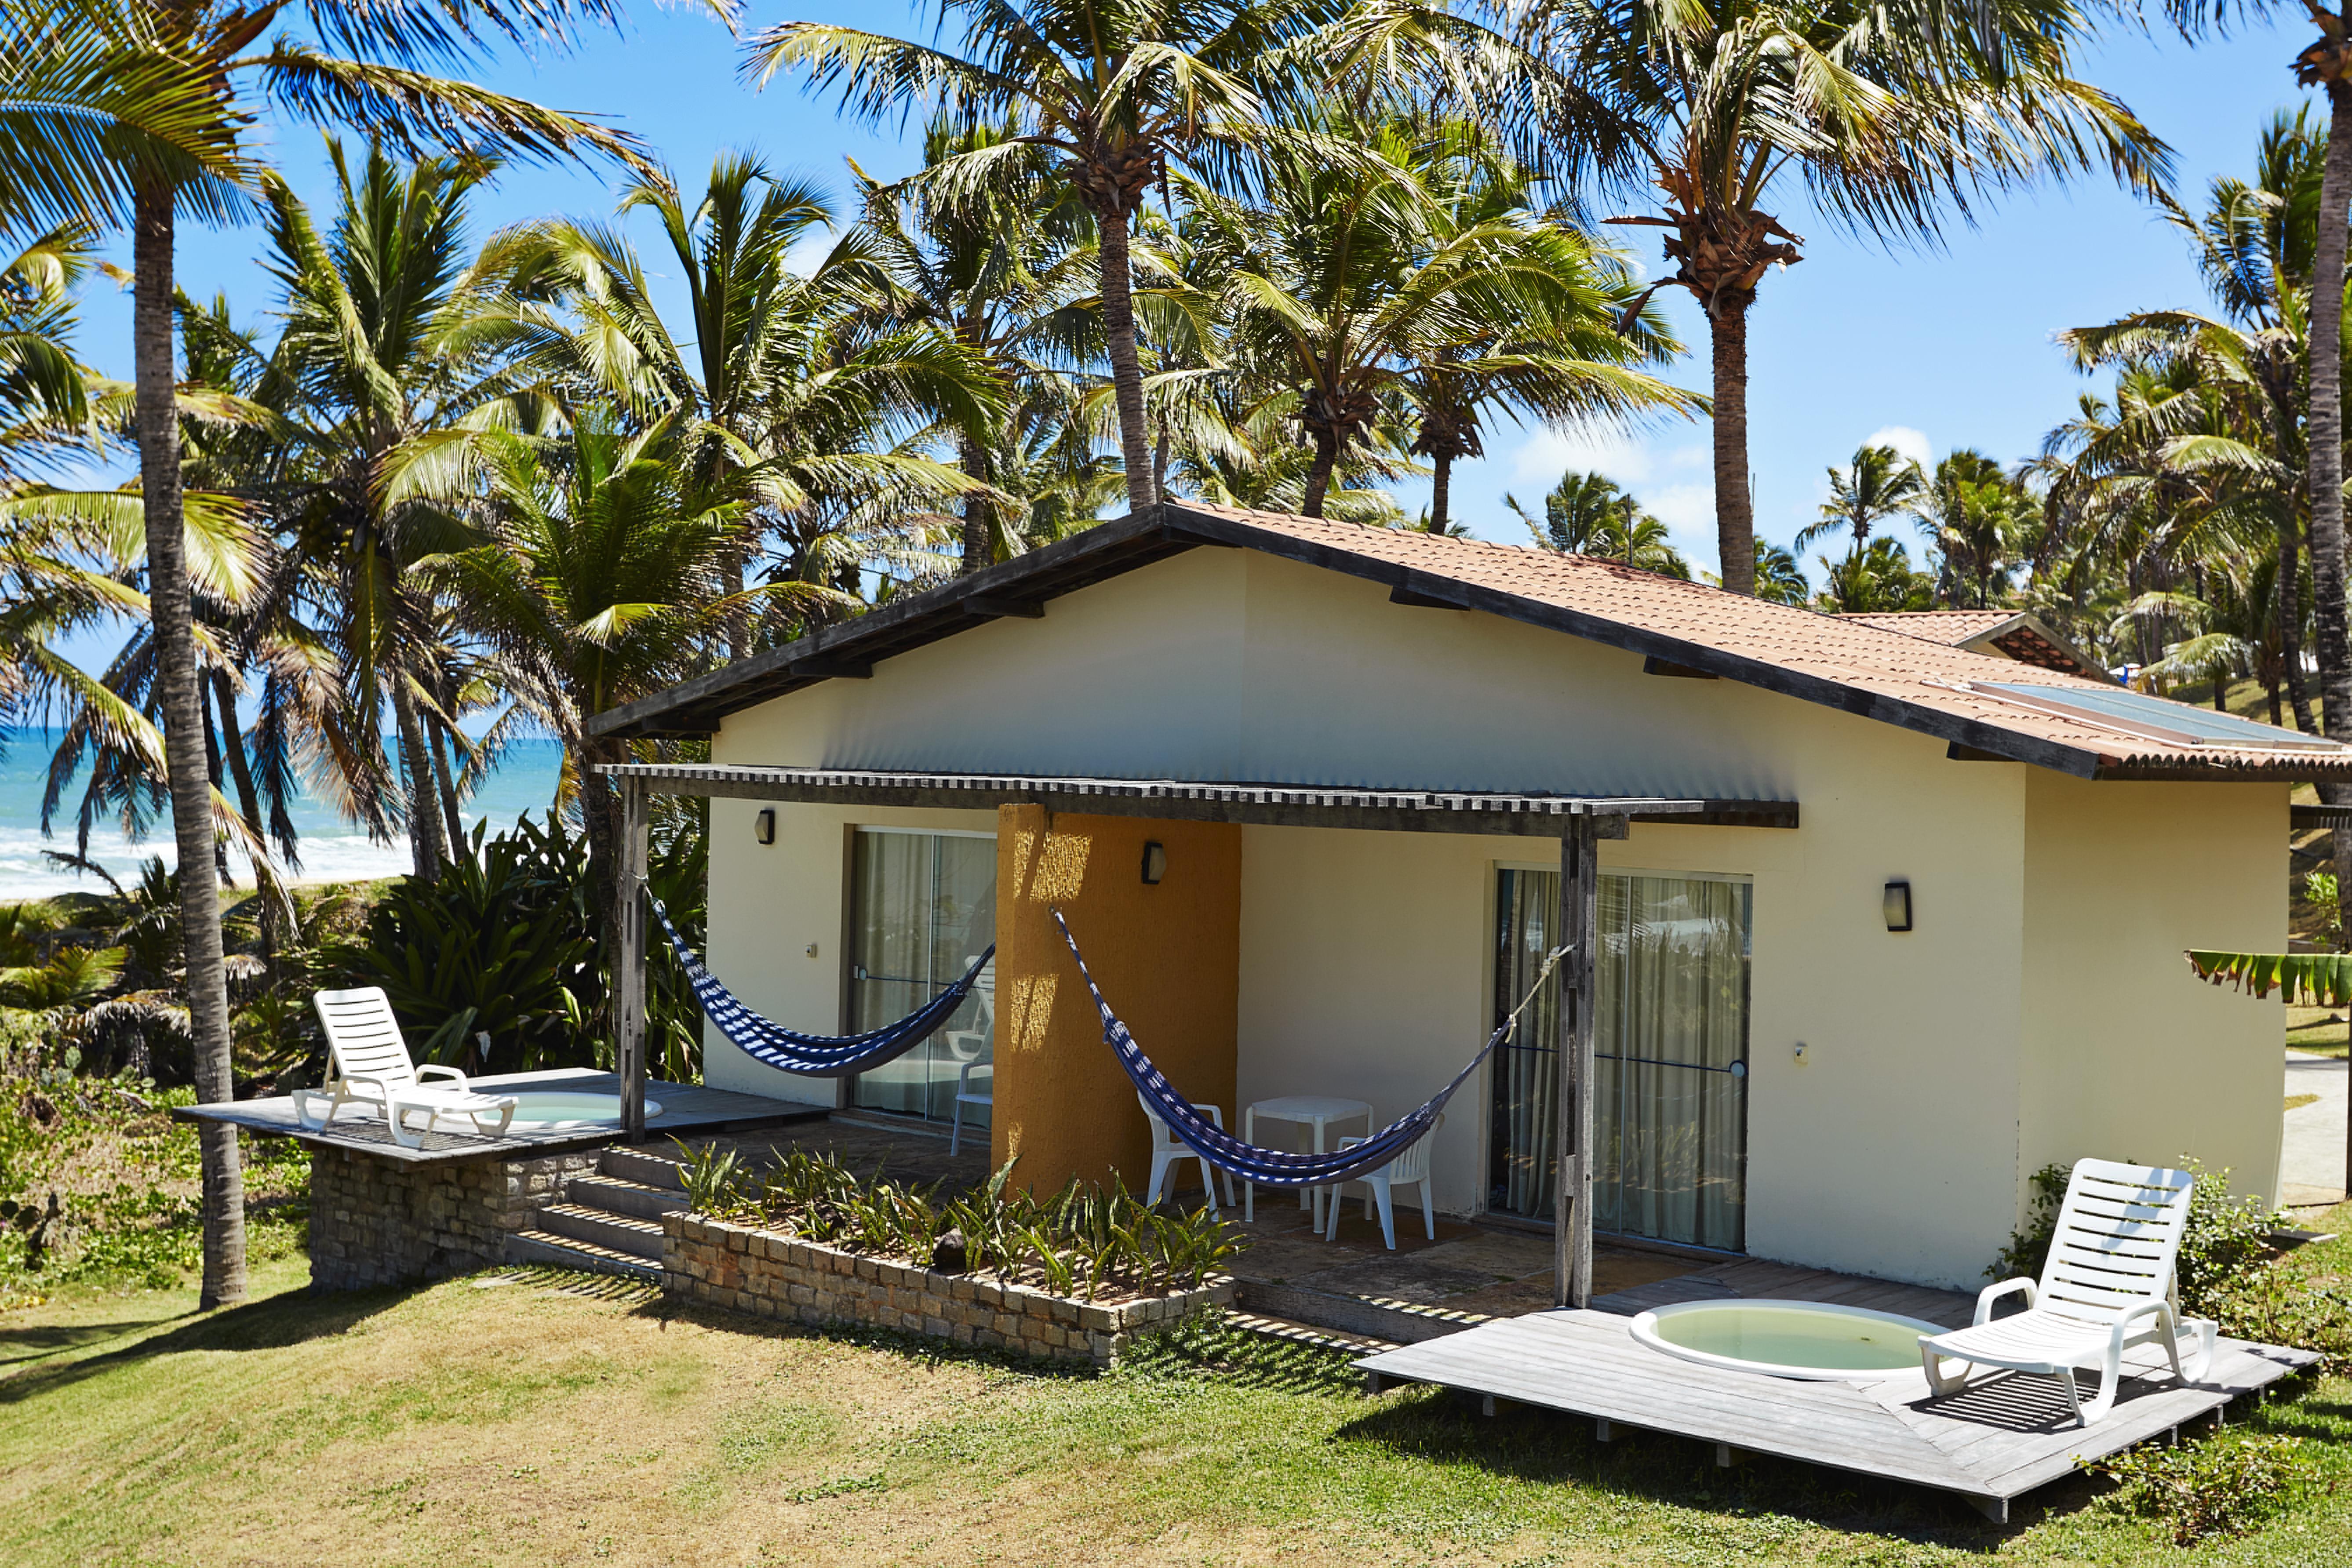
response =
{"points": [[922, 906], [1670, 1047]]}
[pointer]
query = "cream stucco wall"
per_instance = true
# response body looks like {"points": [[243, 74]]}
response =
{"points": [[1896, 1148]]}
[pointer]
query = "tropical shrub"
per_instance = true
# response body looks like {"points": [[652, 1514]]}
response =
{"points": [[2225, 1484], [500, 943], [1082, 1241]]}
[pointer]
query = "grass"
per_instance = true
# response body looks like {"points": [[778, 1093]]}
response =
{"points": [[2297, 1101], [2315, 1031], [558, 1420]]}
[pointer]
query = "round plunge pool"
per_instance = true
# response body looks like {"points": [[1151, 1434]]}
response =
{"points": [[1786, 1338], [563, 1111]]}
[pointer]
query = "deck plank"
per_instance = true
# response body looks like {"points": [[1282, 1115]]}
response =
{"points": [[1990, 1444], [685, 1108]]}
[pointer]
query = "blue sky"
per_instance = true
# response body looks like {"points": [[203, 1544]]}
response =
{"points": [[1928, 350]]}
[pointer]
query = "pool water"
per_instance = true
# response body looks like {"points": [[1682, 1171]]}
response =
{"points": [[1785, 1339], [548, 1109]]}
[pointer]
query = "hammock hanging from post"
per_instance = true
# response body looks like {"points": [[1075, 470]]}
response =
{"points": [[823, 1056], [1276, 1167]]}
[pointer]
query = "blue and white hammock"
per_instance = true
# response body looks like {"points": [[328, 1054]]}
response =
{"points": [[1275, 1167], [826, 1056]]}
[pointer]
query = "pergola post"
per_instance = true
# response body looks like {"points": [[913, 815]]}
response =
{"points": [[1580, 884], [629, 963]]}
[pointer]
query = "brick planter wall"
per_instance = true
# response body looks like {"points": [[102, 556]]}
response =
{"points": [[384, 1222], [760, 1271]]}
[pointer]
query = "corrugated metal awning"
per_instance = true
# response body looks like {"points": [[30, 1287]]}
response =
{"points": [[1309, 805]]}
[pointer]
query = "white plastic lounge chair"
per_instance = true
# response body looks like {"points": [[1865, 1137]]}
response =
{"points": [[966, 1046], [2108, 1286], [372, 1068], [1167, 1150], [1408, 1169]]}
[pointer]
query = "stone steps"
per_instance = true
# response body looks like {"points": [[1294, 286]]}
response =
{"points": [[602, 1227], [619, 1196], [571, 1252]]}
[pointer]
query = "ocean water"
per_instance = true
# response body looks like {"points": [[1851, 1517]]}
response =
{"points": [[333, 850]]}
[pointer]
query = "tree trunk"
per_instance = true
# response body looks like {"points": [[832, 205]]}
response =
{"points": [[1441, 492], [733, 568], [1126, 367], [213, 780], [453, 821], [1318, 478], [156, 370], [2290, 625], [426, 852], [1160, 463], [977, 553], [2326, 428], [1735, 509], [249, 802]]}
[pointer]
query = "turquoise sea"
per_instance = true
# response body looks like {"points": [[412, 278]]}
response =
{"points": [[333, 850]]}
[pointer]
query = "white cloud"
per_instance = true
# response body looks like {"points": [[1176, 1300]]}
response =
{"points": [[1546, 454], [1912, 444]]}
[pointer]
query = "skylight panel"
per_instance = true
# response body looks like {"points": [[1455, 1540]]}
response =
{"points": [[2154, 718]]}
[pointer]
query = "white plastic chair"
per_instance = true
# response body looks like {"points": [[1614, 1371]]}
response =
{"points": [[2107, 1287], [1409, 1168], [966, 1046], [1167, 1150], [372, 1067]]}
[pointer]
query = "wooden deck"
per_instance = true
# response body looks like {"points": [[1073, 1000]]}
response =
{"points": [[2003, 1438], [687, 1110]]}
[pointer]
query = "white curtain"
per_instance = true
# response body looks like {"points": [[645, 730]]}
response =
{"points": [[1669, 1111], [922, 906]]}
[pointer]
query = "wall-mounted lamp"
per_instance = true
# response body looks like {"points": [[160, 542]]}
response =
{"points": [[1898, 906], [763, 827], [1155, 862]]}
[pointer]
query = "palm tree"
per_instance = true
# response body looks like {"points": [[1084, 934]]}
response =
{"points": [[1001, 270], [382, 95], [1889, 115], [1114, 93], [1349, 289], [1880, 483], [1978, 520], [1877, 578], [1587, 514], [603, 578], [1779, 579]]}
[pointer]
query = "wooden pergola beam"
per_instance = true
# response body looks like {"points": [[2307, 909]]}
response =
{"points": [[1579, 886], [629, 972]]}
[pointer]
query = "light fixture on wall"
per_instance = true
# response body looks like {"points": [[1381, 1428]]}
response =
{"points": [[1155, 862], [763, 827], [1898, 906]]}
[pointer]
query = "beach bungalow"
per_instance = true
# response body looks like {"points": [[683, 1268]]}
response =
{"points": [[1886, 915]]}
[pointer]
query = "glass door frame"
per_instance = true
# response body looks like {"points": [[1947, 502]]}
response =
{"points": [[845, 1090], [1489, 1129]]}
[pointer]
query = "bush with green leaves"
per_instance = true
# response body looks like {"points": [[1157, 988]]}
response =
{"points": [[1082, 1241], [2227, 1242], [2225, 1484]]}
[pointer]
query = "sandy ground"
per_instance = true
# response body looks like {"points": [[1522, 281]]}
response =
{"points": [[2310, 1164]]}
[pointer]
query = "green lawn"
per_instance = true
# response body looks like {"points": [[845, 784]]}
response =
{"points": [[559, 1420]]}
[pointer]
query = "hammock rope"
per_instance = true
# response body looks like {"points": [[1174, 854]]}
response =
{"points": [[823, 1056], [1254, 1163]]}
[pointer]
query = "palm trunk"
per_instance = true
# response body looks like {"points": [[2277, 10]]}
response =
{"points": [[453, 822], [1160, 454], [2326, 423], [1735, 510], [426, 852], [1440, 492], [1125, 366], [1318, 478], [156, 372], [249, 802], [734, 568], [976, 551], [213, 781], [2290, 627]]}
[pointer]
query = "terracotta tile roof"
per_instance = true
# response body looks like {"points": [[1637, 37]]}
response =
{"points": [[1752, 637], [1845, 662], [2011, 634]]}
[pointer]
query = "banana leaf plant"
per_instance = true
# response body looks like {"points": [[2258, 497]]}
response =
{"points": [[2307, 979]]}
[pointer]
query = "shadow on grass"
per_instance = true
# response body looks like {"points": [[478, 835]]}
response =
{"points": [[274, 1322], [20, 1345], [907, 1347]]}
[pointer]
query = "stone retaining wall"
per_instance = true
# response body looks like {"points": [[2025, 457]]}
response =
{"points": [[386, 1222], [748, 1271]]}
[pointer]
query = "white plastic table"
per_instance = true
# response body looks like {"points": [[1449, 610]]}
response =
{"points": [[1315, 1110]]}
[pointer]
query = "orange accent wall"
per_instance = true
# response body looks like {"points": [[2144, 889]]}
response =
{"points": [[1167, 955]]}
